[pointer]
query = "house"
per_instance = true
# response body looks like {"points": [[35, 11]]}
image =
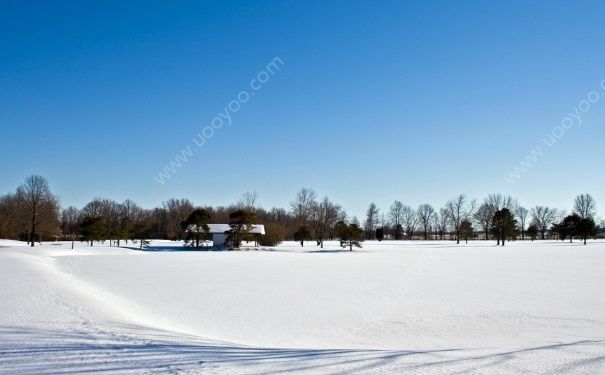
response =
{"points": [[219, 232]]}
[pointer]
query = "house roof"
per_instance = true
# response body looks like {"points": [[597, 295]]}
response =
{"points": [[222, 228]]}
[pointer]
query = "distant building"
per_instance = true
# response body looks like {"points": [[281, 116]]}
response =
{"points": [[219, 232]]}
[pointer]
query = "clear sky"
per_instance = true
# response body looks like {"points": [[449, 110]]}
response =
{"points": [[374, 101]]}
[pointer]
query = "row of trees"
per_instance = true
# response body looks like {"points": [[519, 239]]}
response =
{"points": [[498, 217], [33, 214]]}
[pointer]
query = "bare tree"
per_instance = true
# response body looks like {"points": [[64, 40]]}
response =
{"points": [[111, 211], [396, 218], [500, 201], [425, 215], [522, 213], [11, 223], [249, 201], [409, 220], [177, 211], [372, 221], [302, 206], [483, 216], [324, 216], [70, 217], [93, 209], [36, 202], [459, 209], [442, 222], [585, 206], [543, 217]]}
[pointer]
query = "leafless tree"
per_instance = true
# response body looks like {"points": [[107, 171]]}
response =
{"points": [[11, 225], [70, 217], [93, 209], [36, 202], [522, 214], [372, 220], [500, 201], [302, 206], [409, 220], [249, 200], [459, 209], [442, 222], [543, 217], [396, 218], [177, 211], [483, 216], [324, 216], [585, 206], [279, 216], [111, 211], [425, 215]]}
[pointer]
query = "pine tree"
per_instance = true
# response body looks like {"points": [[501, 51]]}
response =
{"points": [[587, 228], [569, 227], [532, 231], [504, 225], [93, 229], [466, 230], [126, 229], [350, 234], [241, 223], [196, 226], [302, 234], [142, 229]]}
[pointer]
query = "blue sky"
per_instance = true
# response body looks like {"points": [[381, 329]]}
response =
{"points": [[375, 101]]}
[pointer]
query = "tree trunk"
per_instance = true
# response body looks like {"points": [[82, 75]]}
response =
{"points": [[33, 234]]}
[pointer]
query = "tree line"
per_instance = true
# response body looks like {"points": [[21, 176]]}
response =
{"points": [[499, 217], [33, 214]]}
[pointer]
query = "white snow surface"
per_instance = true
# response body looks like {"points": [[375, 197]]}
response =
{"points": [[395, 307]]}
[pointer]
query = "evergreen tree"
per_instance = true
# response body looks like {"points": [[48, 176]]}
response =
{"points": [[302, 234], [532, 231], [504, 225], [569, 227], [196, 226], [466, 230], [126, 229], [142, 229], [93, 229], [555, 230], [241, 222], [350, 234], [587, 228]]}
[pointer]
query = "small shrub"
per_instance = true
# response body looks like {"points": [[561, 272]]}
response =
{"points": [[274, 235]]}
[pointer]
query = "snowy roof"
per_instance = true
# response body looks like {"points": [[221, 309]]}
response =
{"points": [[222, 228]]}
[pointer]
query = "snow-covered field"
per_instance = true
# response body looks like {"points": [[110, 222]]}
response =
{"points": [[391, 307]]}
